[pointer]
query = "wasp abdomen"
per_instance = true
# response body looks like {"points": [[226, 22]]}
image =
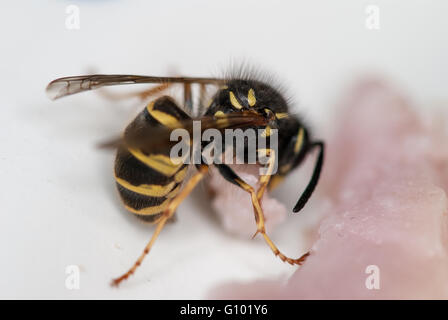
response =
{"points": [[148, 181]]}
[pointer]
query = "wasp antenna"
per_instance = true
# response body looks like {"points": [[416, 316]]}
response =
{"points": [[314, 178]]}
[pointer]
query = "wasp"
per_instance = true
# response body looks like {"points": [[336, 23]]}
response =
{"points": [[152, 186]]}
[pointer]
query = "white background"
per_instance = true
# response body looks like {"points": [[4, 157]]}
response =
{"points": [[58, 202]]}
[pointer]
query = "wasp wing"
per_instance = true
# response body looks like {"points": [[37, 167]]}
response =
{"points": [[157, 138], [70, 85]]}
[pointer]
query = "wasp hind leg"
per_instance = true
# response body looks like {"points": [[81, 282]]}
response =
{"points": [[232, 177], [165, 216]]}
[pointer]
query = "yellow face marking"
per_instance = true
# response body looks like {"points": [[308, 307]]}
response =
{"points": [[281, 115], [152, 190], [158, 162], [234, 101], [149, 210], [162, 117], [251, 97], [180, 175], [299, 140], [266, 132]]}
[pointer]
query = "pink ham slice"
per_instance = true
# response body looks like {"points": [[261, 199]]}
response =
{"points": [[386, 175]]}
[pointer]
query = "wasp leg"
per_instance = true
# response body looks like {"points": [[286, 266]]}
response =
{"points": [[166, 215], [264, 180], [201, 103], [188, 99], [232, 177]]}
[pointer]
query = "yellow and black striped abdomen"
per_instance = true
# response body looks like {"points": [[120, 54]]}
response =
{"points": [[148, 181]]}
